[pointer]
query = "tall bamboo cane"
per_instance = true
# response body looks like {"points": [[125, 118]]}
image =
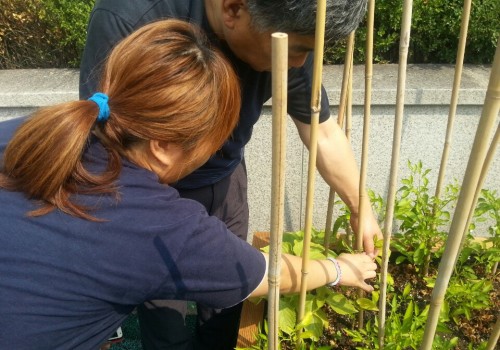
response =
{"points": [[396, 144], [340, 121], [348, 114], [482, 177], [454, 95], [279, 90], [495, 334], [363, 199], [313, 148], [469, 185], [349, 54], [348, 129], [453, 109]]}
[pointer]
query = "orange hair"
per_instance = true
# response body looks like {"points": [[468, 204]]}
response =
{"points": [[165, 82]]}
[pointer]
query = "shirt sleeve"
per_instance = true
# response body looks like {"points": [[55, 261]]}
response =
{"points": [[104, 30], [299, 93], [216, 268]]}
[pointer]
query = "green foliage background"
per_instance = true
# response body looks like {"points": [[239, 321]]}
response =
{"points": [[42, 33], [435, 32], [51, 33]]}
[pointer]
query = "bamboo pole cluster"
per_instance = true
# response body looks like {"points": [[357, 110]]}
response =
{"points": [[345, 108], [477, 168], [465, 200], [454, 94], [313, 148], [396, 145], [364, 202]]}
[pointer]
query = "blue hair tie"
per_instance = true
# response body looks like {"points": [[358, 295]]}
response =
{"points": [[102, 102]]}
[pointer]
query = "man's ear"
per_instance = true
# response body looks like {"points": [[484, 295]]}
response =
{"points": [[231, 11]]}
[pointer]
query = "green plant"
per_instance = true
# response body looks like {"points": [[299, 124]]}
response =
{"points": [[315, 319], [423, 217], [51, 33], [477, 256], [42, 33], [489, 205], [69, 18], [434, 33], [464, 295], [422, 220], [404, 326]]}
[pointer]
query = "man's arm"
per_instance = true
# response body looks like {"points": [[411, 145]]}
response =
{"points": [[336, 164]]}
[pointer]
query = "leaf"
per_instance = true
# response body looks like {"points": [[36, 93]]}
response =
{"points": [[287, 319], [407, 290], [444, 313], [400, 259], [287, 316], [367, 304], [408, 318], [341, 305], [313, 330]]}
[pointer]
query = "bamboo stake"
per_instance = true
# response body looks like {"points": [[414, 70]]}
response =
{"points": [[396, 144], [469, 185], [349, 54], [363, 199], [454, 95], [279, 110], [495, 334], [329, 220], [348, 116], [453, 109], [313, 148], [482, 177], [348, 119], [340, 121]]}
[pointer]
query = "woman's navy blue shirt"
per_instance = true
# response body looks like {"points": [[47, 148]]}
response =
{"points": [[68, 283]]}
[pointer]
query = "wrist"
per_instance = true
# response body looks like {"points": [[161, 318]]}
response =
{"points": [[339, 272]]}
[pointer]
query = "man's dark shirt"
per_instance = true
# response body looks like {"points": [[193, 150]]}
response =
{"points": [[112, 20]]}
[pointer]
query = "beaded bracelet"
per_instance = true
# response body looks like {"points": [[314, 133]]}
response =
{"points": [[339, 272]]}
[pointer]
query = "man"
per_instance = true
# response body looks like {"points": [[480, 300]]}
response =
{"points": [[242, 29]]}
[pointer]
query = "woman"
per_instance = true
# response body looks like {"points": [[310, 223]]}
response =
{"points": [[89, 227]]}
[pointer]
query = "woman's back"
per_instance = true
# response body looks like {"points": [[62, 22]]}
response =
{"points": [[61, 273]]}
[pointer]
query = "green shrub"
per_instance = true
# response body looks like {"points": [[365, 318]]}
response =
{"points": [[434, 34], [42, 33], [51, 33]]}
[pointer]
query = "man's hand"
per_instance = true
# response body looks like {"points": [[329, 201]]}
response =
{"points": [[370, 230]]}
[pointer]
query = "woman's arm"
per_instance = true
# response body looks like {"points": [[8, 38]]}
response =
{"points": [[355, 269]]}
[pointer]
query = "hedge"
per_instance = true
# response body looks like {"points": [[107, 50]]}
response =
{"points": [[42, 33], [51, 33]]}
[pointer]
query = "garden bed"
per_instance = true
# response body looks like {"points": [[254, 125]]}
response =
{"points": [[469, 312]]}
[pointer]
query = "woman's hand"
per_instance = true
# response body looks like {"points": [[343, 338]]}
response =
{"points": [[356, 268]]}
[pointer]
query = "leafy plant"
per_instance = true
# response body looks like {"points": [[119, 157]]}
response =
{"points": [[404, 326], [463, 296], [423, 217], [489, 205], [421, 234], [315, 320], [434, 33], [42, 33]]}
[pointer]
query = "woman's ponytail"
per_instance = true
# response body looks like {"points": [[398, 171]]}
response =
{"points": [[43, 158]]}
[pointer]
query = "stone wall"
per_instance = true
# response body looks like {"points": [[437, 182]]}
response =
{"points": [[427, 98]]}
